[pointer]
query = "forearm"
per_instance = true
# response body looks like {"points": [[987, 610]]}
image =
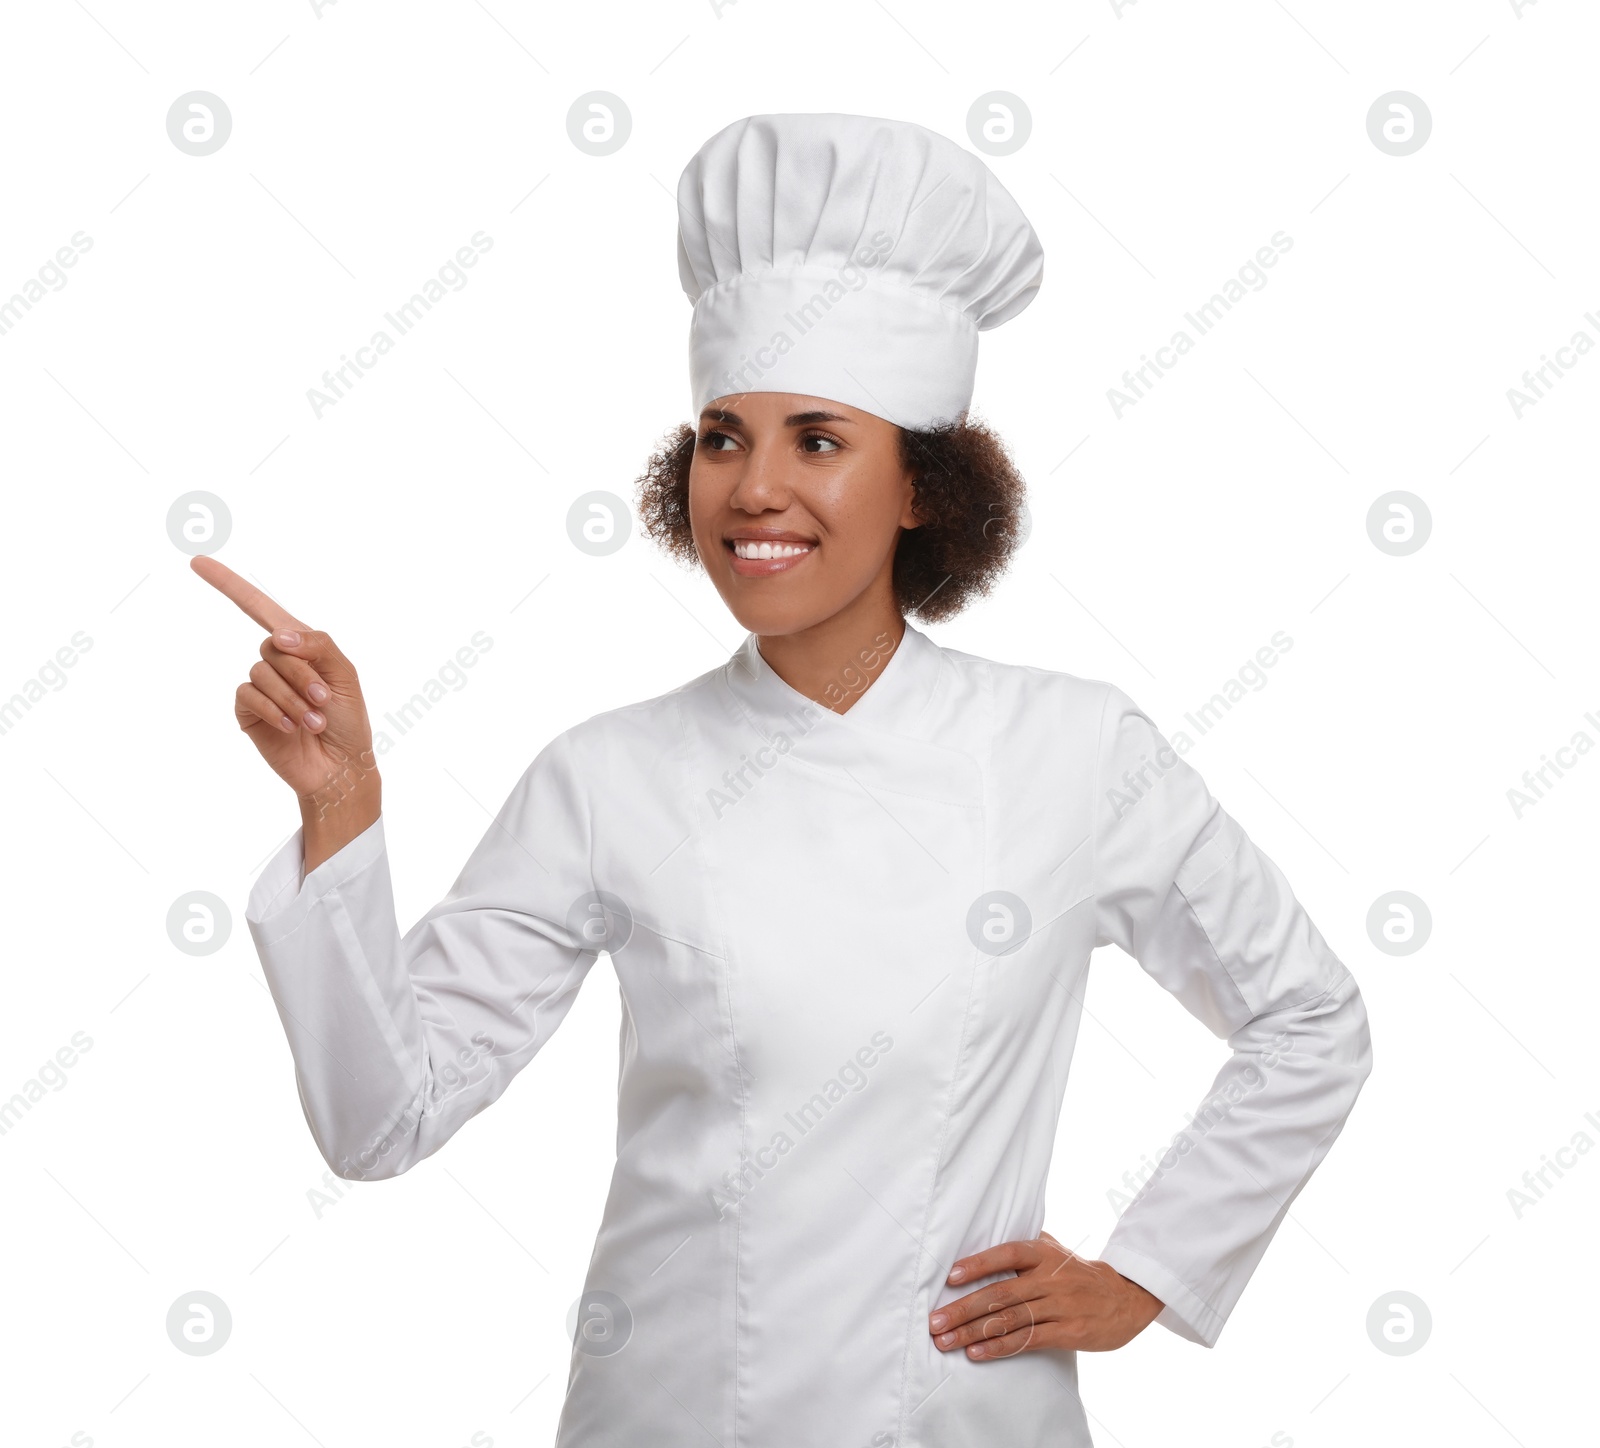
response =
{"points": [[1201, 1222], [393, 1049], [331, 952], [400, 1039]]}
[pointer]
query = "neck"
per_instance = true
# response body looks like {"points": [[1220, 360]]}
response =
{"points": [[834, 662]]}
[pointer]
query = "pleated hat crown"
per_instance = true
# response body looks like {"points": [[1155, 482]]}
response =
{"points": [[849, 258]]}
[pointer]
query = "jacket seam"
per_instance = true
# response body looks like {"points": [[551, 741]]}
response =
{"points": [[1094, 808], [955, 1076], [742, 1084]]}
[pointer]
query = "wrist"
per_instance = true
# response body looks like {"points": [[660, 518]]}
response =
{"points": [[355, 782], [327, 810], [1142, 1302], [330, 818]]}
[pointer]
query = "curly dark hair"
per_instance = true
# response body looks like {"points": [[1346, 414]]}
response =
{"points": [[967, 495]]}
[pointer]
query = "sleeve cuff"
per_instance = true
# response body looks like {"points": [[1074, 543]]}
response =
{"points": [[284, 895], [1184, 1313]]}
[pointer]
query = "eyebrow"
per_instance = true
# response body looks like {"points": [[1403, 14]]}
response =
{"points": [[794, 419]]}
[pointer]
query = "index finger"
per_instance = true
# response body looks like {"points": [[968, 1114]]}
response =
{"points": [[266, 611], [1007, 1257]]}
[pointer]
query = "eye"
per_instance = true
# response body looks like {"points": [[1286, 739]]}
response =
{"points": [[708, 439], [832, 443]]}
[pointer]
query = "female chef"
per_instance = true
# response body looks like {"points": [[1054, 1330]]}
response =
{"points": [[849, 881]]}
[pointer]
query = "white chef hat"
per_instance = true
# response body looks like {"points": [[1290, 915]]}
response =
{"points": [[848, 258]]}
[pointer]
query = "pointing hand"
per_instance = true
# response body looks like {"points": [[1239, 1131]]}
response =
{"points": [[302, 707]]}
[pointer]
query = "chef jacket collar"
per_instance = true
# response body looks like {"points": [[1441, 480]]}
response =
{"points": [[896, 701]]}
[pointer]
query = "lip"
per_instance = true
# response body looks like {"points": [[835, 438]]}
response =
{"points": [[765, 567]]}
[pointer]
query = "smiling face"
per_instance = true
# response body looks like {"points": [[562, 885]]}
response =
{"points": [[796, 504]]}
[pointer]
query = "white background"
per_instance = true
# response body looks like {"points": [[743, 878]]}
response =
{"points": [[1169, 142]]}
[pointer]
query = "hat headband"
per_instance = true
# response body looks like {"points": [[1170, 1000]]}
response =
{"points": [[841, 333]]}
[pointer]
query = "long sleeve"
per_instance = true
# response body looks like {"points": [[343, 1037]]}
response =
{"points": [[1182, 889], [397, 1041]]}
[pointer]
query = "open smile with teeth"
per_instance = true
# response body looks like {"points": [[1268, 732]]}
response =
{"points": [[752, 548]]}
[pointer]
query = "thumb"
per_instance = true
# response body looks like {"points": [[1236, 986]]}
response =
{"points": [[320, 651]]}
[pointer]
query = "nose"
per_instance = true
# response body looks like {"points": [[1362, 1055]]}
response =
{"points": [[763, 483]]}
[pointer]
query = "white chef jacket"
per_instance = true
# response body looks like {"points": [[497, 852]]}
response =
{"points": [[831, 1084]]}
